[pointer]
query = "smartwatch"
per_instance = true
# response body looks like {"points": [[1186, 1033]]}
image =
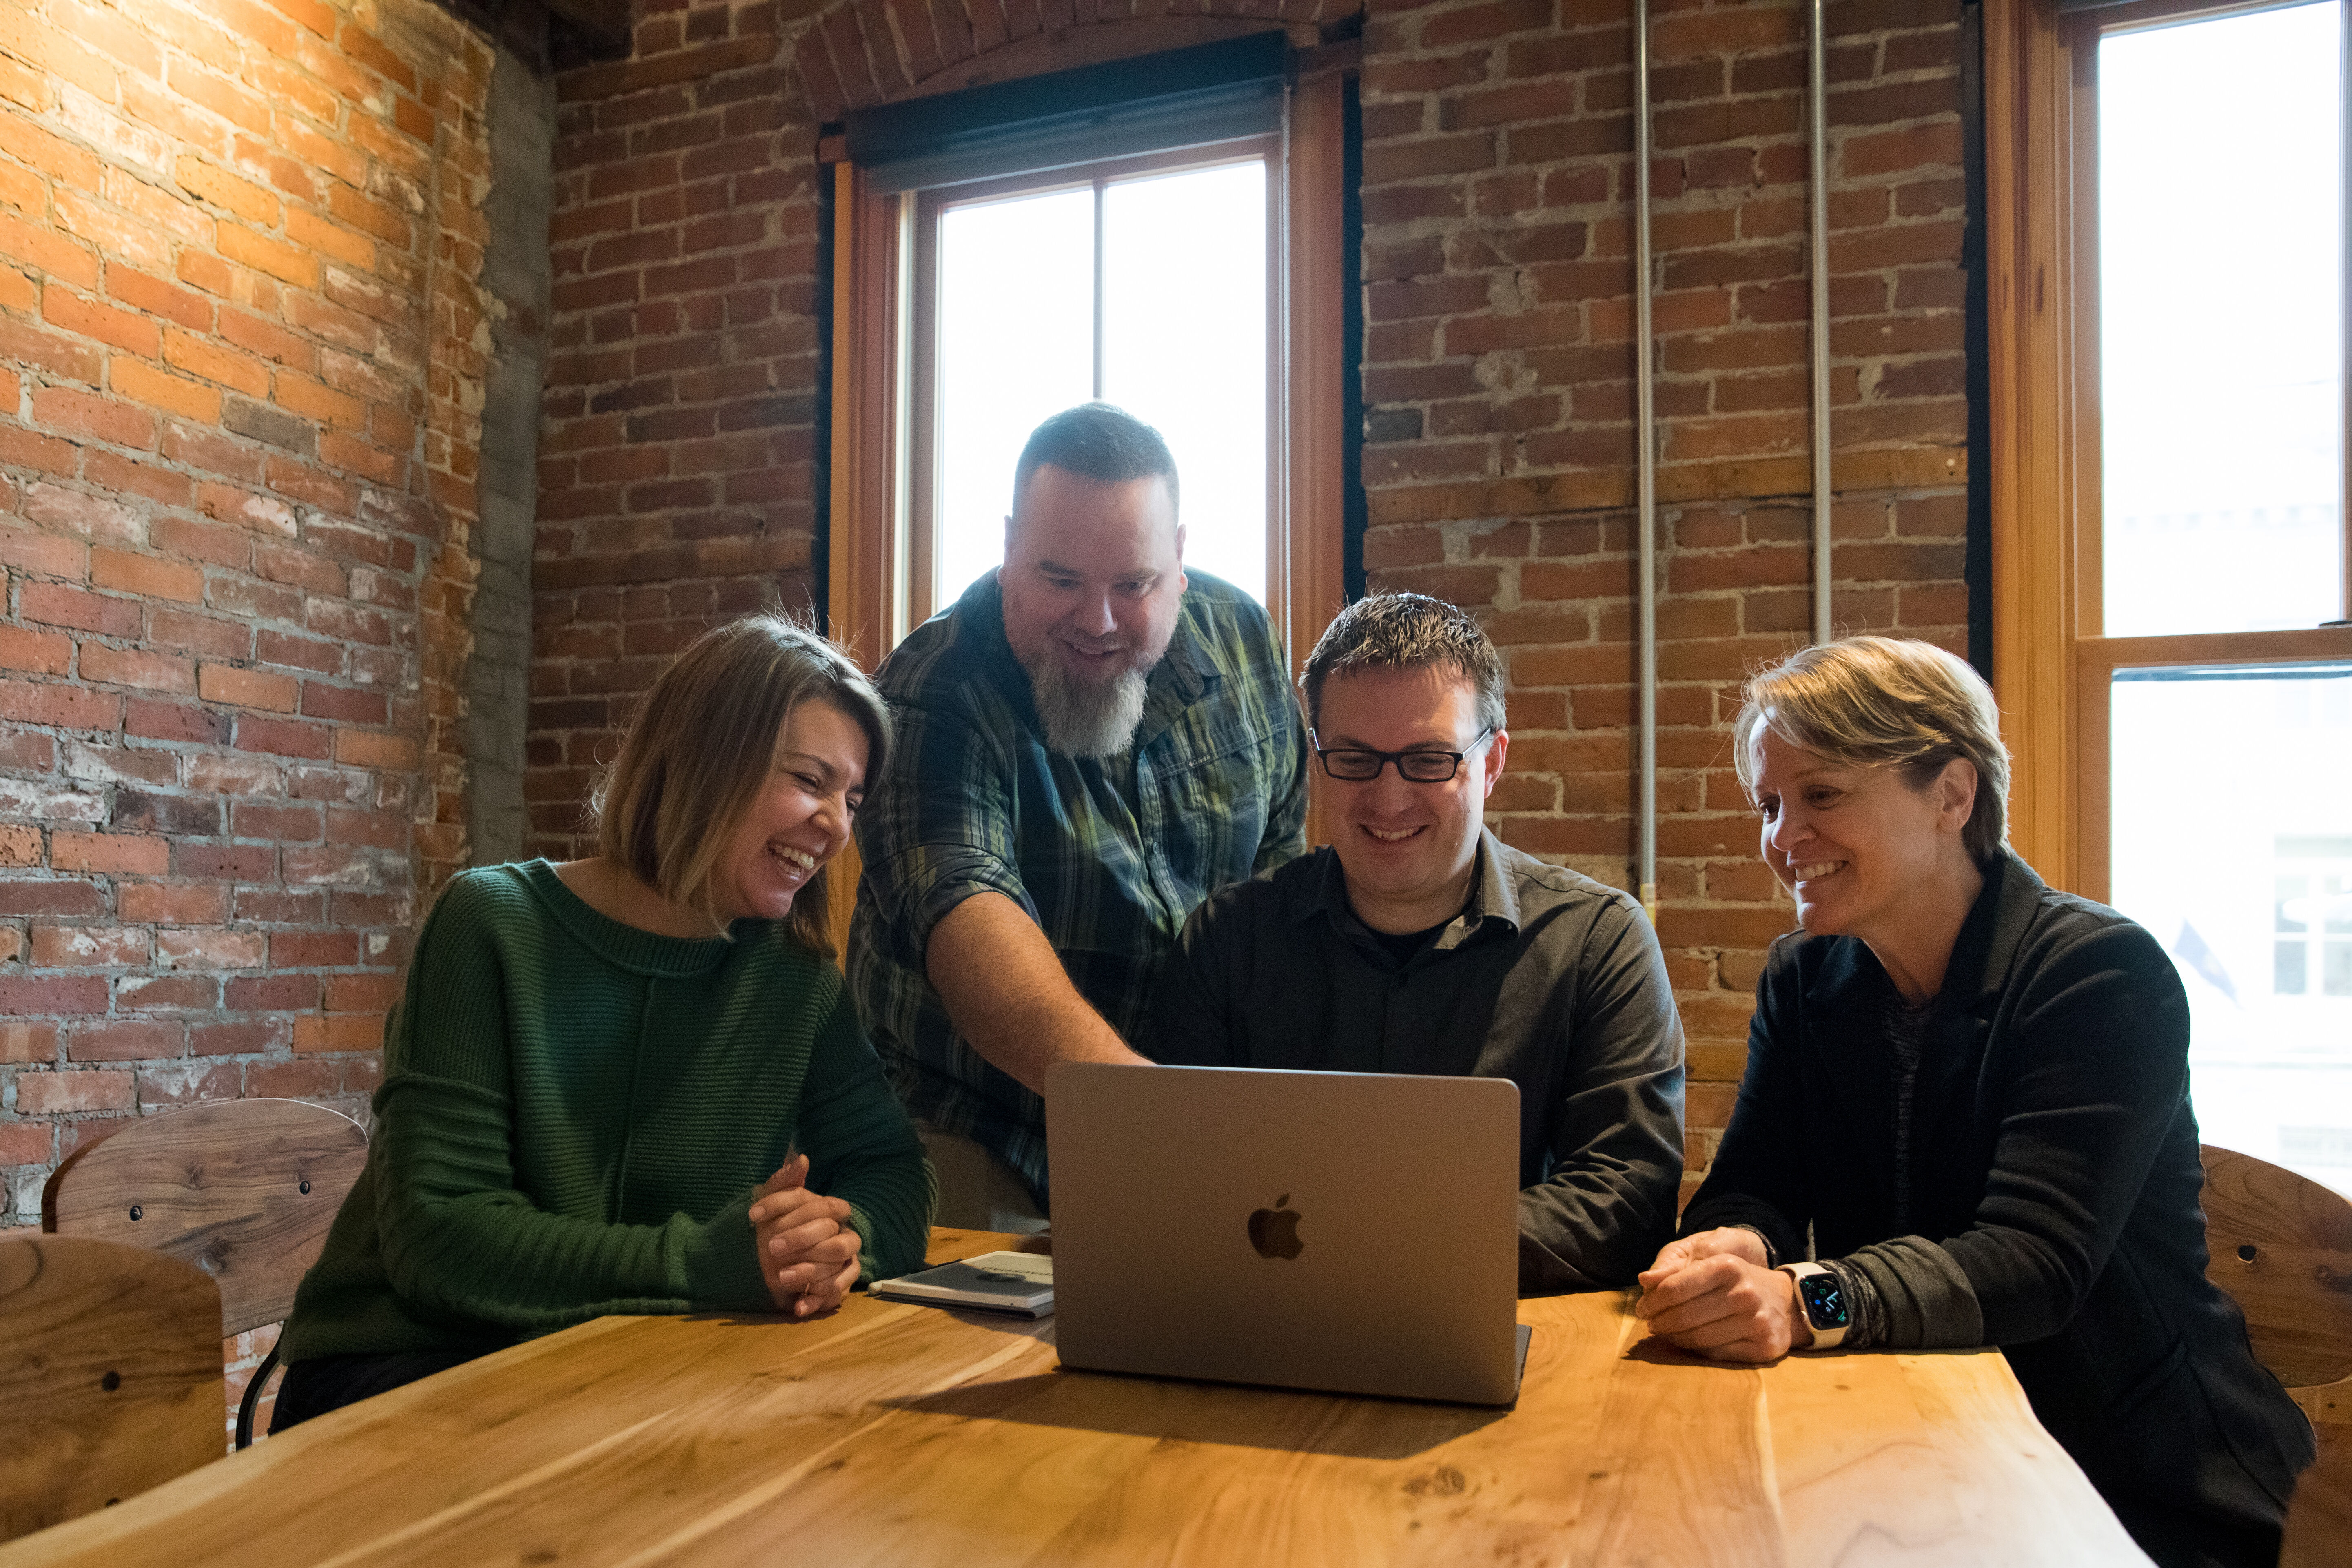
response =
{"points": [[1823, 1301]]}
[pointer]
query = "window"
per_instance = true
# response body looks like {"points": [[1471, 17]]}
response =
{"points": [[1146, 281], [2221, 341], [2171, 558], [2313, 940], [2230, 826], [1182, 254], [921, 473]]}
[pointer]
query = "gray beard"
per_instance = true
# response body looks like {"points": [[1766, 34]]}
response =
{"points": [[1086, 721]]}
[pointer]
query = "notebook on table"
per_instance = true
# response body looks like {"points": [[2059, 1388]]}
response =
{"points": [[1020, 1283], [1354, 1233]]}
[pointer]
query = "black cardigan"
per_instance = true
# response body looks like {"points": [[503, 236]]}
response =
{"points": [[2055, 1159]]}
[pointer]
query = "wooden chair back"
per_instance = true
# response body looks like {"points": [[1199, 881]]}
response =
{"points": [[110, 1374], [2319, 1516], [2280, 1245], [243, 1189]]}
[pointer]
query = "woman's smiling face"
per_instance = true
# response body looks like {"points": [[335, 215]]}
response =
{"points": [[801, 817], [1854, 846]]}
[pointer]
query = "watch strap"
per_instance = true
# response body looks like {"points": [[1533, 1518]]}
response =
{"points": [[1825, 1337]]}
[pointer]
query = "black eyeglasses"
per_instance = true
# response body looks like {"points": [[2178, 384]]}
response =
{"points": [[1356, 765]]}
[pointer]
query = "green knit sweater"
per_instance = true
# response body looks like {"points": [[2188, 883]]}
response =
{"points": [[573, 1116]]}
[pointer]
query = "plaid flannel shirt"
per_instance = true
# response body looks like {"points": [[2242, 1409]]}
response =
{"points": [[1107, 855]]}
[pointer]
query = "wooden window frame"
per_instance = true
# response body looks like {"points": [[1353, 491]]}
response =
{"points": [[922, 281], [871, 585], [2052, 669], [876, 581]]}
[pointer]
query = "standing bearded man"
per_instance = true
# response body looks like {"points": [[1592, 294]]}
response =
{"points": [[1090, 743]]}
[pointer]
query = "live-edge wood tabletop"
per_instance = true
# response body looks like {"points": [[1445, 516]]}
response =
{"points": [[897, 1436]]}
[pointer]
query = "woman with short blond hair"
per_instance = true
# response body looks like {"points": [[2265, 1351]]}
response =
{"points": [[634, 1083], [1965, 1117]]}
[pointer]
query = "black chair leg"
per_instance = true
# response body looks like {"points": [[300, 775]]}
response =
{"points": [[251, 1404]]}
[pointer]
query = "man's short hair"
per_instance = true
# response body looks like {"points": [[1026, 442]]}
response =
{"points": [[1097, 441], [1406, 631]]}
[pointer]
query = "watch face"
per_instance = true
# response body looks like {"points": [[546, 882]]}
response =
{"points": [[1824, 1302]]}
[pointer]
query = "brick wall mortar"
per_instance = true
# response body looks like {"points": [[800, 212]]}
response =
{"points": [[1498, 377], [235, 462], [676, 465]]}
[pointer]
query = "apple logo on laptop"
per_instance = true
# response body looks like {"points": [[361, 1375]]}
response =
{"points": [[1274, 1231]]}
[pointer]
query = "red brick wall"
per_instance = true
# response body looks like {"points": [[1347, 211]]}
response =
{"points": [[237, 370], [1498, 369], [677, 453]]}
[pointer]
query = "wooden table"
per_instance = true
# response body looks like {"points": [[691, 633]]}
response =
{"points": [[901, 1435]]}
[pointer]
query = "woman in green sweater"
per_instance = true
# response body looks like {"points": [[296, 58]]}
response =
{"points": [[634, 1083]]}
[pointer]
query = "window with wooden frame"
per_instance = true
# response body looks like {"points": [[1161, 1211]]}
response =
{"points": [[2172, 568], [890, 564], [1168, 262], [1145, 281]]}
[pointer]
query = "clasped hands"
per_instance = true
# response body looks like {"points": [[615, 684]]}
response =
{"points": [[1712, 1294], [808, 1254]]}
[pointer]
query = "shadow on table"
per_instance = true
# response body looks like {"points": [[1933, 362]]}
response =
{"points": [[1178, 1410], [1657, 1353], [1001, 1322]]}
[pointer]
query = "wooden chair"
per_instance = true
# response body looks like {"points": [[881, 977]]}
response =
{"points": [[2319, 1519], [109, 1371], [2280, 1245], [243, 1189]]}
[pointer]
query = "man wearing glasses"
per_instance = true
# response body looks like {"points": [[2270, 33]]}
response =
{"points": [[1419, 942]]}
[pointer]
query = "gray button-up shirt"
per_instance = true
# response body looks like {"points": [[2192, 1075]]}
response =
{"points": [[1547, 978]]}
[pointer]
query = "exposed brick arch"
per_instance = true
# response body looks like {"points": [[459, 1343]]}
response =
{"points": [[860, 53]]}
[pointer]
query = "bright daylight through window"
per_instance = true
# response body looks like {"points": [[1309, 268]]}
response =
{"points": [[2222, 421], [1150, 289], [2221, 346]]}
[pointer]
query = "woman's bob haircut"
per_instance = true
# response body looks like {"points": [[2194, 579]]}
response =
{"points": [[1884, 702], [701, 749]]}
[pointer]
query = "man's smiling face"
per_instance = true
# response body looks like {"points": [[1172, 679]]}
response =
{"points": [[1406, 848], [1093, 579]]}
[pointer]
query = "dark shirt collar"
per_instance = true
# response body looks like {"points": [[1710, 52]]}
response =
{"points": [[1982, 952], [1493, 907], [1987, 946], [1494, 893]]}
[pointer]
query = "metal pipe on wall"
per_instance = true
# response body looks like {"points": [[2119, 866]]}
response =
{"points": [[1645, 494], [1818, 94]]}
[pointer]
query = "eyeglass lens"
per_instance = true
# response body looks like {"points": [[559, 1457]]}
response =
{"points": [[1420, 767]]}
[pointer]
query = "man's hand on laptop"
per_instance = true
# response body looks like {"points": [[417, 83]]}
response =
{"points": [[808, 1254]]}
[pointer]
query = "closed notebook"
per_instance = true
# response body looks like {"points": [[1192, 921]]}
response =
{"points": [[1020, 1283]]}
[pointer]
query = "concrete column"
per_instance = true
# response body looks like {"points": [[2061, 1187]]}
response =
{"points": [[515, 272]]}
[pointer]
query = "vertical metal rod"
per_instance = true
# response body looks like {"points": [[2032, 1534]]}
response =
{"points": [[1098, 291], [1818, 95], [1645, 418], [1281, 262]]}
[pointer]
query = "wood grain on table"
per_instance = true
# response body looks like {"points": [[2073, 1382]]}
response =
{"points": [[895, 1435]]}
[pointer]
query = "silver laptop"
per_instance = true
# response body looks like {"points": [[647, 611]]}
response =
{"points": [[1350, 1232]]}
